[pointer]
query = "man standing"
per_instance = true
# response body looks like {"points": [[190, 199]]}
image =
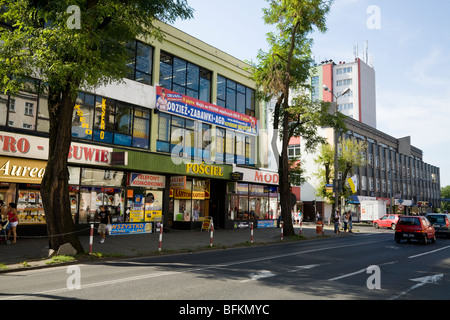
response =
{"points": [[104, 221]]}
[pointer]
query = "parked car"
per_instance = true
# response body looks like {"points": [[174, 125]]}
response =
{"points": [[386, 221], [440, 222], [414, 227]]}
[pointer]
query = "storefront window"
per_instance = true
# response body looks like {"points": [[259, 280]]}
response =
{"points": [[190, 204], [101, 187]]}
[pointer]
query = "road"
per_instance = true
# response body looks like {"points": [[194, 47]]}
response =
{"points": [[359, 267]]}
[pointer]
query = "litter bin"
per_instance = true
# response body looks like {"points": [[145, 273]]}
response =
{"points": [[319, 227]]}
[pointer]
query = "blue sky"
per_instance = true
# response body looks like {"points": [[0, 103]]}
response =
{"points": [[408, 42]]}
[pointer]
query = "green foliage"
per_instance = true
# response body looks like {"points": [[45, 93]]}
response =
{"points": [[445, 194], [42, 43]]}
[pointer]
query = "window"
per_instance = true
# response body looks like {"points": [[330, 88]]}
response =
{"points": [[345, 82], [183, 137], [184, 77], [140, 65], [232, 147], [344, 70], [110, 121], [29, 107], [293, 151], [234, 96]]}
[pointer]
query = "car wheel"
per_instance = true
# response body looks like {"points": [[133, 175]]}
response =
{"points": [[398, 240], [393, 226], [433, 239], [375, 225], [425, 239]]}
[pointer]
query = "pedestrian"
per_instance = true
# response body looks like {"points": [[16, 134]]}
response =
{"points": [[336, 218], [346, 219], [13, 219], [350, 223], [105, 220]]}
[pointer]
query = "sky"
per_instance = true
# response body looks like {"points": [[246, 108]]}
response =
{"points": [[408, 44]]}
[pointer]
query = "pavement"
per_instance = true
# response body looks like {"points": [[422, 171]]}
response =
{"points": [[33, 252]]}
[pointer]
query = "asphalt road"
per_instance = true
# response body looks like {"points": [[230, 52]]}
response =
{"points": [[366, 266]]}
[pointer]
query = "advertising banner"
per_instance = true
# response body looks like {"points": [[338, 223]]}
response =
{"points": [[130, 228], [184, 106]]}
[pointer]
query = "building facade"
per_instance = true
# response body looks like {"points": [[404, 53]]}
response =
{"points": [[360, 102], [177, 142], [394, 174]]}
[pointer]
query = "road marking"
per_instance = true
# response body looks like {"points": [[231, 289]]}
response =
{"points": [[428, 252], [422, 281], [206, 267], [357, 272]]}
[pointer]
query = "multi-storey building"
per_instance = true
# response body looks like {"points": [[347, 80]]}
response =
{"points": [[177, 141], [395, 171], [359, 102]]}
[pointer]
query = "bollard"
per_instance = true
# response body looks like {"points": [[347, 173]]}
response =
{"points": [[281, 225], [91, 239], [160, 238], [211, 236], [251, 232], [301, 226]]}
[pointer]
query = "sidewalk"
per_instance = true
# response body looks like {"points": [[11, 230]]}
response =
{"points": [[33, 252]]}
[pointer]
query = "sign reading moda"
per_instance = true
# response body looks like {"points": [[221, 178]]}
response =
{"points": [[194, 109]]}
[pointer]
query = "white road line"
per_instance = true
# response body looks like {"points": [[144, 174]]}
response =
{"points": [[428, 252]]}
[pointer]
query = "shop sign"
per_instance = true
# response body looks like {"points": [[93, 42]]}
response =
{"points": [[236, 176], [259, 176], [191, 108], [266, 224], [130, 228], [188, 194], [18, 145], [178, 182], [147, 180], [21, 170], [204, 169]]}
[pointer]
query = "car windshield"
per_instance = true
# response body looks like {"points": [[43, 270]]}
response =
{"points": [[436, 219], [409, 221]]}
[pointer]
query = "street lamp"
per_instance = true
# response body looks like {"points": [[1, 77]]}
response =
{"points": [[336, 163]]}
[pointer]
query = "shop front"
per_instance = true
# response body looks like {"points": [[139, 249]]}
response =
{"points": [[253, 198]]}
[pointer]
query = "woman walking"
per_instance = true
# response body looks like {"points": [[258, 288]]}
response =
{"points": [[13, 219]]}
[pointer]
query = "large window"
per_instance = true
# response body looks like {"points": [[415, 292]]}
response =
{"points": [[140, 65], [105, 120], [234, 147], [184, 137], [234, 96], [184, 77]]}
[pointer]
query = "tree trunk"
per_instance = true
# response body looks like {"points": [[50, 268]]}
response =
{"points": [[55, 183], [285, 186]]}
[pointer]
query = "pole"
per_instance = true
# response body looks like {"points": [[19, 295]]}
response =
{"points": [[281, 224], [160, 238], [91, 239], [211, 236], [251, 233]]}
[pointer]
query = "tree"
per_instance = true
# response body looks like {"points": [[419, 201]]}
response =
{"points": [[285, 69], [71, 44], [445, 194], [350, 155]]}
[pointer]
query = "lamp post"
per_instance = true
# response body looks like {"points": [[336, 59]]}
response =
{"points": [[336, 185]]}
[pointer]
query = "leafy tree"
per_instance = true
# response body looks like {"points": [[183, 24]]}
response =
{"points": [[284, 69], [445, 194], [70, 44], [350, 156]]}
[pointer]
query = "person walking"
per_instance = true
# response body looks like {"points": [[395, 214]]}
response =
{"points": [[350, 224], [13, 219], [337, 218], [104, 221], [345, 221]]}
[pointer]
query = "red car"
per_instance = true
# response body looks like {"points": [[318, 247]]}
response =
{"points": [[414, 227], [386, 221]]}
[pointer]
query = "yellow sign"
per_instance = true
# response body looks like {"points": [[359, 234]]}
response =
{"points": [[21, 170], [204, 169], [188, 194], [206, 225]]}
